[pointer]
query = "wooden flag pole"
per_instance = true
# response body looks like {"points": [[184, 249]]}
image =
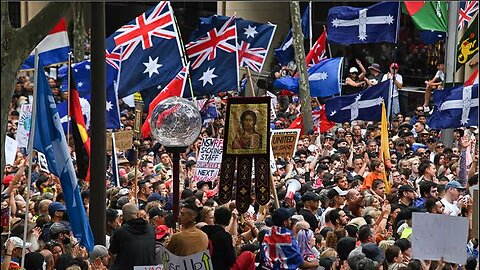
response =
{"points": [[136, 145], [250, 81]]}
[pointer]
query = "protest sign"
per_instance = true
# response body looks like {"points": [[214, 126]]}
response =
{"points": [[10, 150], [209, 160], [198, 261], [24, 123], [284, 142], [42, 162], [447, 239], [123, 140]]}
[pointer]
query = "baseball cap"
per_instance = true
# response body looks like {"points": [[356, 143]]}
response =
{"points": [[56, 206], [7, 179], [281, 214], [336, 191], [155, 197], [156, 211], [373, 252], [310, 196], [18, 242], [353, 69], [59, 227], [111, 214], [403, 188], [123, 192], [454, 184], [161, 231], [98, 252]]}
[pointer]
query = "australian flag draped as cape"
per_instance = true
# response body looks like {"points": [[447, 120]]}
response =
{"points": [[280, 249], [50, 140]]}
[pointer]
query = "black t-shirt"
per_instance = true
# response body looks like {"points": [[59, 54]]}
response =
{"points": [[309, 217]]}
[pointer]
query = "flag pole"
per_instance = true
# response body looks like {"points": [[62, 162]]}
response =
{"points": [[184, 54], [69, 80], [310, 18], [250, 81], [30, 151]]}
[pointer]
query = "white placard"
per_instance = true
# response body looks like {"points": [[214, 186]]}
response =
{"points": [[435, 236], [10, 150], [42, 162], [24, 124], [198, 261], [209, 160]]}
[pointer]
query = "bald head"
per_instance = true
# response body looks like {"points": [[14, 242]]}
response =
{"points": [[129, 211]]}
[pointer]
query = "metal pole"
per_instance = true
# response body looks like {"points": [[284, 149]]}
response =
{"points": [[176, 178], [450, 61], [98, 125], [30, 151]]}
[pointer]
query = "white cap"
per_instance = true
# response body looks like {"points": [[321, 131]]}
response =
{"points": [[18, 242], [353, 69], [312, 148]]}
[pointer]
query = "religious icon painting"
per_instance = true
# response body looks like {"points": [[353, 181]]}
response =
{"points": [[247, 138]]}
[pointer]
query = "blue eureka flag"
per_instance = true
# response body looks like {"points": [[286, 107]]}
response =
{"points": [[376, 23], [324, 78], [365, 105], [455, 107], [286, 53], [49, 139]]}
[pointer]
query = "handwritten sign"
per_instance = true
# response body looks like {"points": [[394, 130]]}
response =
{"points": [[24, 124], [209, 160], [10, 150], [284, 142], [435, 236], [197, 261], [123, 140]]}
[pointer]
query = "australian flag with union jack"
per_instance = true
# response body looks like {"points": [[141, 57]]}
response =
{"points": [[280, 249], [254, 40], [212, 53], [146, 51]]}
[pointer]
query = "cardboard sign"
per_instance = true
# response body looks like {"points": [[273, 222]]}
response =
{"points": [[24, 124], [435, 236], [197, 261], [209, 160], [10, 150], [42, 162], [284, 142], [123, 140]]}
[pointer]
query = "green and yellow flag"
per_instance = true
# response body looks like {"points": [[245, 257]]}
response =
{"points": [[427, 15], [467, 46]]}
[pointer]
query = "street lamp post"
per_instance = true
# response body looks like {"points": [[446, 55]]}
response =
{"points": [[176, 124]]}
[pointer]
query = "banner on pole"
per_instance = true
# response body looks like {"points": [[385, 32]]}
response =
{"points": [[284, 142], [198, 261], [209, 160], [123, 140], [24, 124]]}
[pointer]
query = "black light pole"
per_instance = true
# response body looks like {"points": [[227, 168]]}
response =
{"points": [[98, 125], [176, 178]]}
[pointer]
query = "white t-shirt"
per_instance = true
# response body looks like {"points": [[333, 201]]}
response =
{"points": [[450, 208], [440, 75], [399, 79]]}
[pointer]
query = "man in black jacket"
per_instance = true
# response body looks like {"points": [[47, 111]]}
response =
{"points": [[220, 241], [134, 242]]}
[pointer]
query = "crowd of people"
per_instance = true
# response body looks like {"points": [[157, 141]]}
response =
{"points": [[342, 216]]}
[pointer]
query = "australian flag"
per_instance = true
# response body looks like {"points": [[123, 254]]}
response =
{"points": [[376, 23], [254, 40], [148, 50], [280, 250], [207, 108], [455, 107], [49, 139], [365, 105], [81, 73], [324, 79], [212, 52], [286, 53], [467, 12]]}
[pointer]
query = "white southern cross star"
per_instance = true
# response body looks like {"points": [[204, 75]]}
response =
{"points": [[250, 31], [109, 106], [87, 66], [152, 66], [79, 84], [208, 76], [318, 76]]}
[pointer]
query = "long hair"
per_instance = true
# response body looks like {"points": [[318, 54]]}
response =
{"points": [[303, 237]]}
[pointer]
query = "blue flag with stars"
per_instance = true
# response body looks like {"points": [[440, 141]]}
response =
{"points": [[286, 53], [254, 41], [146, 50], [365, 105], [455, 107], [376, 23], [49, 139], [324, 79], [212, 52], [81, 73]]}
